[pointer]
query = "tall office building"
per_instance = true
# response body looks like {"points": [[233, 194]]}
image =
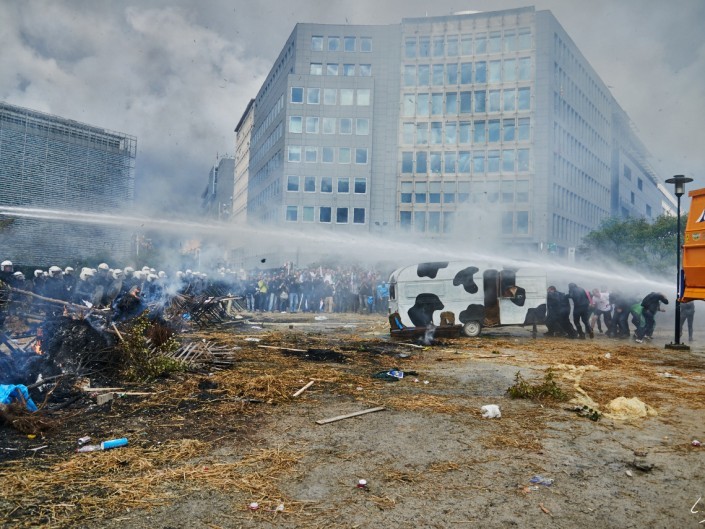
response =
{"points": [[48, 162], [488, 123]]}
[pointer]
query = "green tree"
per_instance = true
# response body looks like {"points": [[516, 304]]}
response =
{"points": [[635, 243]]}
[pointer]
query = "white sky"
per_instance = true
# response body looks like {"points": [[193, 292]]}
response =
{"points": [[178, 74]]}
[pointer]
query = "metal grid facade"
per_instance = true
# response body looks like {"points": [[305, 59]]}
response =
{"points": [[54, 163]]}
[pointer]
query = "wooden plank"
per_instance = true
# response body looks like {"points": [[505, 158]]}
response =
{"points": [[303, 389], [354, 414], [283, 348]]}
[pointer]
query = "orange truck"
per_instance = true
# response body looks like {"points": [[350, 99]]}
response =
{"points": [[693, 280]]}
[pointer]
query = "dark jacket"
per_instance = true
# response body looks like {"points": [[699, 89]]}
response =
{"points": [[651, 302]]}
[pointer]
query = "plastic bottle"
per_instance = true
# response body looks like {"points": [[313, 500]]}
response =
{"points": [[105, 445]]}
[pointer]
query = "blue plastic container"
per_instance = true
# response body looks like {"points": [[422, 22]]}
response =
{"points": [[114, 443]]}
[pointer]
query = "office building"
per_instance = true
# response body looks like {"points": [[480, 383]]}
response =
{"points": [[491, 124], [51, 163]]}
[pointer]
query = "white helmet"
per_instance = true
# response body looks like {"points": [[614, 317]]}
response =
{"points": [[151, 277], [38, 273], [68, 270], [161, 274], [145, 269], [103, 267], [129, 270], [6, 263], [179, 274], [54, 271], [117, 274], [19, 275]]}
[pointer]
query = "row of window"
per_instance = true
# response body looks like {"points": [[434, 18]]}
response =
{"points": [[507, 71], [316, 125], [331, 96], [461, 162], [325, 214], [336, 43], [333, 68], [512, 222], [454, 103], [480, 43], [325, 184], [479, 131], [307, 154], [492, 191]]}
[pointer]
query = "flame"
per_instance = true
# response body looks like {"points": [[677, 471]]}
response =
{"points": [[38, 344]]}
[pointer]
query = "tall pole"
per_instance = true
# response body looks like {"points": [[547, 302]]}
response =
{"points": [[679, 182], [678, 273]]}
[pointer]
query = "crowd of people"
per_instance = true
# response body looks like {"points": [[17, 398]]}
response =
{"points": [[615, 311], [313, 289], [577, 313]]}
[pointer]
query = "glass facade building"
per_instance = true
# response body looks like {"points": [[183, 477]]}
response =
{"points": [[53, 163], [440, 125]]}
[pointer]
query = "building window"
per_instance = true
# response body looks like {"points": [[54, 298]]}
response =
{"points": [[329, 96], [311, 154], [297, 94], [362, 126], [312, 125], [434, 221], [508, 156], [424, 79], [294, 154], [346, 96], [449, 161], [333, 43], [292, 183], [492, 161], [316, 43], [627, 173], [295, 124], [349, 43], [328, 125], [448, 221], [341, 215], [358, 215], [361, 156], [439, 48], [410, 48], [421, 162], [640, 184], [327, 184], [495, 72], [346, 125], [493, 131], [452, 46], [448, 192], [434, 192], [507, 191], [292, 213], [313, 96], [327, 155], [524, 129], [366, 44], [466, 73], [348, 70], [422, 133], [309, 184], [524, 99], [522, 222], [344, 185], [424, 46], [480, 72], [405, 220], [435, 162], [451, 74], [509, 128], [522, 191], [524, 39], [632, 197], [480, 133], [524, 69], [407, 188], [324, 214], [331, 69], [419, 221], [360, 186], [648, 210], [344, 155], [363, 97], [316, 68], [407, 162], [365, 70], [507, 222], [307, 214], [523, 159]]}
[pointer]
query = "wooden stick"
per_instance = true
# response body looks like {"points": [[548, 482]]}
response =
{"points": [[303, 389], [118, 332], [354, 414], [283, 348]]}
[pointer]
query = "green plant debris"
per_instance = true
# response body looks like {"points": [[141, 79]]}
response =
{"points": [[141, 359], [546, 389]]}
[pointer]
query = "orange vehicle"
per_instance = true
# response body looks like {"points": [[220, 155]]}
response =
{"points": [[693, 280]]}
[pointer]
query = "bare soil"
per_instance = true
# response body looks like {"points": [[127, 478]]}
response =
{"points": [[203, 447]]}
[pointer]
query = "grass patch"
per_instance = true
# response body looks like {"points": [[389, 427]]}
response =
{"points": [[546, 389]]}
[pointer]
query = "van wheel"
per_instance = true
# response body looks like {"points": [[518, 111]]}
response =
{"points": [[472, 329]]}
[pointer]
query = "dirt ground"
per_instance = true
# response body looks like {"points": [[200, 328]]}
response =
{"points": [[203, 447]]}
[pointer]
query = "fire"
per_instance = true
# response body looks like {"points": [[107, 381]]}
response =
{"points": [[38, 344]]}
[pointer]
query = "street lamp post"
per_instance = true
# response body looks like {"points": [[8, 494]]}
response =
{"points": [[678, 182]]}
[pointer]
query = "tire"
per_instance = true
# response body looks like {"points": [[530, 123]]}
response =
{"points": [[472, 328]]}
